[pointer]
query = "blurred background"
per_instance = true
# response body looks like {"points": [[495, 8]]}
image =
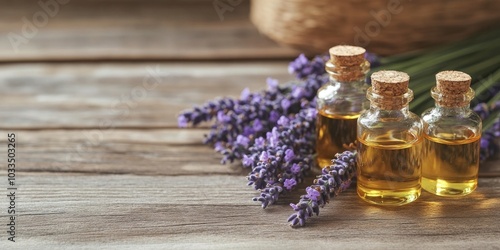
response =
{"points": [[64, 30], [131, 30]]}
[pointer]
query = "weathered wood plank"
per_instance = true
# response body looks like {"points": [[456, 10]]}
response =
{"points": [[215, 212], [139, 152], [124, 95], [130, 30], [148, 152]]}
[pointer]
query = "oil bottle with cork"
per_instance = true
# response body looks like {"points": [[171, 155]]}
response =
{"points": [[389, 143], [452, 134], [341, 101]]}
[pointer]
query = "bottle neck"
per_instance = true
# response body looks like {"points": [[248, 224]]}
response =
{"points": [[392, 104], [454, 103], [402, 109], [462, 110], [357, 83], [345, 92], [352, 74], [391, 114]]}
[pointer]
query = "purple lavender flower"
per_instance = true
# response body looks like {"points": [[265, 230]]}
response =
{"points": [[274, 116], [283, 121], [242, 140], [272, 84], [298, 64], [182, 121], [295, 169], [264, 156], [273, 137], [489, 142], [219, 147], [301, 67], [257, 125], [285, 104], [495, 129], [269, 195], [298, 92], [289, 155], [221, 117], [254, 114], [482, 110], [289, 184], [312, 194], [289, 150], [247, 161], [489, 139], [245, 94], [260, 142], [373, 59], [257, 99], [333, 180]]}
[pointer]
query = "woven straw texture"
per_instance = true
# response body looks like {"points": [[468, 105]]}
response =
{"points": [[385, 27]]}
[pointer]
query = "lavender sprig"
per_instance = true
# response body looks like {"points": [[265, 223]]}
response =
{"points": [[333, 180], [488, 144], [298, 97], [482, 110], [280, 161], [373, 59], [489, 139], [301, 67], [251, 116]]}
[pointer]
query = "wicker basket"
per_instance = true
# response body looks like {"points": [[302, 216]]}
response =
{"points": [[384, 27]]}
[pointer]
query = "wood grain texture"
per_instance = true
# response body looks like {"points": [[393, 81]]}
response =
{"points": [[215, 212], [172, 152], [144, 95], [131, 30]]}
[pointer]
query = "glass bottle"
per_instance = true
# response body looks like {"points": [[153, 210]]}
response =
{"points": [[452, 133], [340, 101], [389, 143]]}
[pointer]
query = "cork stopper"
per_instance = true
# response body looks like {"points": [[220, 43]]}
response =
{"points": [[347, 63], [390, 82], [453, 82], [346, 55], [391, 87], [453, 88]]}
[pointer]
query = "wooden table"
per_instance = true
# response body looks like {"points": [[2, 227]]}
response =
{"points": [[101, 163]]}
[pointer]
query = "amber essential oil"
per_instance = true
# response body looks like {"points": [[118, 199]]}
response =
{"points": [[451, 166], [452, 133], [340, 101], [389, 143], [389, 169], [335, 133]]}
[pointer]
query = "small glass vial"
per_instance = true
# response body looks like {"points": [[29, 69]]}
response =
{"points": [[389, 143], [452, 133], [340, 101]]}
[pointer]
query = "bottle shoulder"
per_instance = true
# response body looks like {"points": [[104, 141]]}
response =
{"points": [[394, 126], [438, 117], [452, 125], [375, 118], [332, 90], [342, 98]]}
